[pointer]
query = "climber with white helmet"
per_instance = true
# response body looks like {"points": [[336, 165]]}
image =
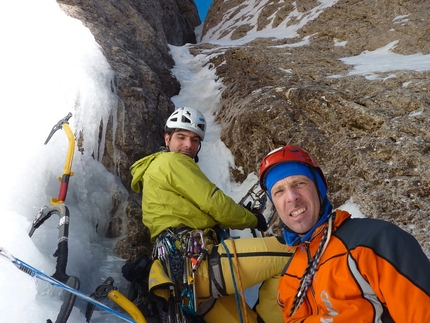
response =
{"points": [[176, 192], [184, 211], [189, 126]]}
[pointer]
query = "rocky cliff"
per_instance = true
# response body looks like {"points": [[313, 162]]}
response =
{"points": [[134, 36], [370, 133]]}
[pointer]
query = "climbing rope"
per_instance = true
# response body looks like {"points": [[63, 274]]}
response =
{"points": [[311, 268], [236, 294], [33, 272], [242, 291]]}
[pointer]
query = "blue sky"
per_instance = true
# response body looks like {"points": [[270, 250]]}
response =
{"points": [[203, 7]]}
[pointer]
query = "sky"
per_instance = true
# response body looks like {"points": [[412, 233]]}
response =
{"points": [[203, 7], [48, 72]]}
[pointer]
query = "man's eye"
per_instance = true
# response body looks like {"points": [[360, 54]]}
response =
{"points": [[277, 192]]}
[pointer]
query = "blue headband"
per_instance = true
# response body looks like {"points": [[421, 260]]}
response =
{"points": [[284, 170]]}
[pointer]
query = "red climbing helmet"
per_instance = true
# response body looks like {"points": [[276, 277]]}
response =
{"points": [[285, 154]]}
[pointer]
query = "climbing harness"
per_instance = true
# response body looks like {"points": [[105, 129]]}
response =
{"points": [[58, 207], [33, 272], [180, 253]]}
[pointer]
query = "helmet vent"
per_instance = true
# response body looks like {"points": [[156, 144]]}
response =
{"points": [[188, 119], [185, 119]]}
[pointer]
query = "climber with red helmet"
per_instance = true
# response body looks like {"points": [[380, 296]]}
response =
{"points": [[299, 227], [344, 269]]}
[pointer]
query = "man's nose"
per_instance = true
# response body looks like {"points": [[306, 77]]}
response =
{"points": [[188, 142], [291, 194]]}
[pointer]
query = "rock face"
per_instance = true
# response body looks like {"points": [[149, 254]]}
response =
{"points": [[134, 36], [370, 134]]}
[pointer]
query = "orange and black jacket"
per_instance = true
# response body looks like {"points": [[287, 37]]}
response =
{"points": [[371, 271]]}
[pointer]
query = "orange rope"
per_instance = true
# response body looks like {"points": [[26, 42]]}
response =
{"points": [[240, 281]]}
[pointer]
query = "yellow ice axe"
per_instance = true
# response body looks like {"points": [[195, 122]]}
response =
{"points": [[64, 124], [108, 290]]}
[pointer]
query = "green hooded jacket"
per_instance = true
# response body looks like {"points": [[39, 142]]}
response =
{"points": [[175, 193]]}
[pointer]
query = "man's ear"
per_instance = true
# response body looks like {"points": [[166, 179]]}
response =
{"points": [[166, 139]]}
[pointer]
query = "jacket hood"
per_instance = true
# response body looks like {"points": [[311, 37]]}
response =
{"points": [[139, 168]]}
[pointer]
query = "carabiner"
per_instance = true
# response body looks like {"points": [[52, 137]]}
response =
{"points": [[202, 241], [7, 254]]}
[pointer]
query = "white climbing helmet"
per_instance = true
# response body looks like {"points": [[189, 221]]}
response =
{"points": [[188, 119]]}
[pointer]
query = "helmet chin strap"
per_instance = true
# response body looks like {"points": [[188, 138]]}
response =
{"points": [[196, 158]]}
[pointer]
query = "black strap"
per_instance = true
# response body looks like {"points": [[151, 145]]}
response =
{"points": [[216, 279], [287, 265]]}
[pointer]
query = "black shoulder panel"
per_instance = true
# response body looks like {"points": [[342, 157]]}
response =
{"points": [[391, 243]]}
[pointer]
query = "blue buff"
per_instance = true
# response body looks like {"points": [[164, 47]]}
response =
{"points": [[293, 239], [284, 170]]}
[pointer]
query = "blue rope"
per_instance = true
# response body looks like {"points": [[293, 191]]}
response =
{"points": [[236, 293], [26, 268]]}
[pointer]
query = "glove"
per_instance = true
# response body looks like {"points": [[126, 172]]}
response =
{"points": [[261, 224]]}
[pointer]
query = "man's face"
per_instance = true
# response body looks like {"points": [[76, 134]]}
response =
{"points": [[297, 202], [183, 141]]}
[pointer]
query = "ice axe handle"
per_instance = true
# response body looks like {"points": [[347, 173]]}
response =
{"points": [[63, 188]]}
